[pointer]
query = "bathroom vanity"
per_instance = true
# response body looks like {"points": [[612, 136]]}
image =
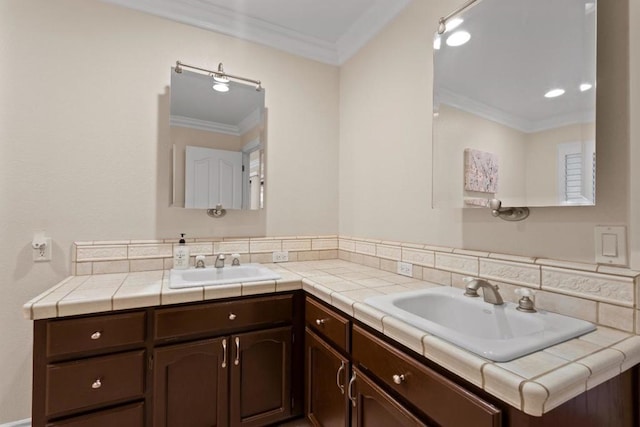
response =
{"points": [[229, 363], [379, 382], [255, 354]]}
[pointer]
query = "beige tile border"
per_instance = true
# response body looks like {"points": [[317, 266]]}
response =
{"points": [[601, 294]]}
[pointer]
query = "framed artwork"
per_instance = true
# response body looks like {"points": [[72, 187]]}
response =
{"points": [[480, 171]]}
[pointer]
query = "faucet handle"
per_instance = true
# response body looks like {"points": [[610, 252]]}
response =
{"points": [[200, 261], [524, 292], [525, 303]]}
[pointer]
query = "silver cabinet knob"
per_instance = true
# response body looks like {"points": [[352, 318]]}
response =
{"points": [[232, 316], [321, 322], [398, 379], [96, 335], [96, 384]]}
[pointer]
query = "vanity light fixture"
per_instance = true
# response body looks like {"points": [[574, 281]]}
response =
{"points": [[585, 87], [458, 38], [554, 93], [220, 77], [220, 80]]}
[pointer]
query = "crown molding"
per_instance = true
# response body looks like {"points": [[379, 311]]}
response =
{"points": [[188, 122], [225, 21], [445, 96], [366, 27]]}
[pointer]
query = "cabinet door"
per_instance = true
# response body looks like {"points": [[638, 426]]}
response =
{"points": [[190, 384], [327, 373], [260, 387], [375, 408]]}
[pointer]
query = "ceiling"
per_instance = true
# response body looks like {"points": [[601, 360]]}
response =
{"points": [[329, 31], [519, 50]]}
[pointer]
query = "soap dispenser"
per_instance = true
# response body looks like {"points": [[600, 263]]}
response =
{"points": [[181, 255]]}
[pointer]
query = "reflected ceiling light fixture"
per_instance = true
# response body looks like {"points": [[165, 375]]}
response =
{"points": [[453, 23], [220, 77], [554, 93], [445, 23], [585, 87], [458, 38]]}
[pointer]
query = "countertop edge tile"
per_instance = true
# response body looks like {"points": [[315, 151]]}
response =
{"points": [[459, 361]]}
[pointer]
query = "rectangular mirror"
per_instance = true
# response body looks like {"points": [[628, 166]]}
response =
{"points": [[514, 104], [218, 142]]}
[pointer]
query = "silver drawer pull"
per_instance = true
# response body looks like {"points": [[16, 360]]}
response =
{"points": [[350, 395], [237, 361], [321, 322], [96, 384], [232, 316], [339, 375], [224, 353], [399, 379], [96, 335]]}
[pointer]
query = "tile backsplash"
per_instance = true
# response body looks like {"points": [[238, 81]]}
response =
{"points": [[597, 293]]}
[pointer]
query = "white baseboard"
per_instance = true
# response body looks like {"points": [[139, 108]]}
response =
{"points": [[22, 423]]}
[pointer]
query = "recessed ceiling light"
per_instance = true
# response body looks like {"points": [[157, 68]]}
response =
{"points": [[458, 38], [453, 23], [585, 87], [437, 41], [553, 93]]}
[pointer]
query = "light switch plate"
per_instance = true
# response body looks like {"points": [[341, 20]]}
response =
{"points": [[611, 244]]}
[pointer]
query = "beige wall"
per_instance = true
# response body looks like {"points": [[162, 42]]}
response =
{"points": [[385, 148], [85, 147]]}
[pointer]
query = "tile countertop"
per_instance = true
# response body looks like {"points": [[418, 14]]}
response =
{"points": [[534, 384]]}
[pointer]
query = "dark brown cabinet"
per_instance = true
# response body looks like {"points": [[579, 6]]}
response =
{"points": [[224, 363], [327, 375], [373, 407], [260, 388], [338, 395], [238, 380], [190, 384], [440, 399]]}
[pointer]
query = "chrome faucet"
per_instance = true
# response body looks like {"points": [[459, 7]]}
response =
{"points": [[219, 261], [489, 291]]}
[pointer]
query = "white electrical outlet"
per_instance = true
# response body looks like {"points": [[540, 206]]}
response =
{"points": [[405, 268], [281, 256], [42, 249]]}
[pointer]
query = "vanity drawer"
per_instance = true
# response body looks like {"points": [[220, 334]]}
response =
{"points": [[94, 333], [221, 317], [439, 398], [123, 416], [94, 381], [327, 323]]}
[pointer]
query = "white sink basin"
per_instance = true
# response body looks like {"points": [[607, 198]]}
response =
{"points": [[220, 276], [496, 332]]}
